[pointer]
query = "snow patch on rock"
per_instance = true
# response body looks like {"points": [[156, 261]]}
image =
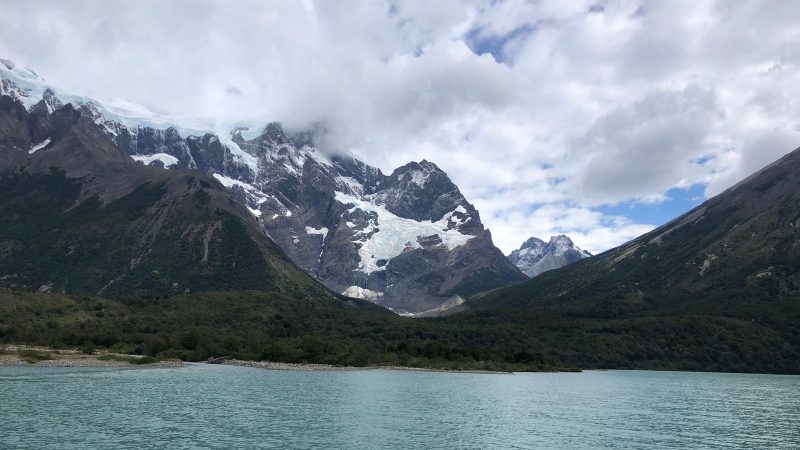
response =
{"points": [[166, 160], [253, 196], [39, 146], [29, 88], [419, 177], [364, 293], [321, 231], [351, 185], [388, 235]]}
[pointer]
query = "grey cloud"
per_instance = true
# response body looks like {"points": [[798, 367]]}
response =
{"points": [[759, 150], [649, 144]]}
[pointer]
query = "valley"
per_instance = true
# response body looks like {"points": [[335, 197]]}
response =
{"points": [[127, 235]]}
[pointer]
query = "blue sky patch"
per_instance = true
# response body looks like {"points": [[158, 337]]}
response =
{"points": [[494, 45], [678, 201]]}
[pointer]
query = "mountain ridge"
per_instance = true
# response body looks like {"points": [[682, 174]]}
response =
{"points": [[78, 215], [410, 237], [732, 244]]}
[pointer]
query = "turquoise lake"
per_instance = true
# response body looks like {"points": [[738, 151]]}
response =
{"points": [[208, 406]]}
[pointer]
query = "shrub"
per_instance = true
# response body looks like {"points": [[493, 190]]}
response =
{"points": [[33, 356], [128, 359], [87, 348]]}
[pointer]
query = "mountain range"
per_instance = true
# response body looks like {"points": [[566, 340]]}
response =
{"points": [[128, 230], [79, 216], [409, 240]]}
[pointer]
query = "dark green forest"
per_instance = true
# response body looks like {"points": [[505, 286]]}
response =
{"points": [[262, 326]]}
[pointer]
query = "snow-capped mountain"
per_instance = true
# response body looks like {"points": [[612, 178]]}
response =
{"points": [[536, 256], [408, 240]]}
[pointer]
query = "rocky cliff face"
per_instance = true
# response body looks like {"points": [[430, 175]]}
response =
{"points": [[408, 240], [536, 256]]}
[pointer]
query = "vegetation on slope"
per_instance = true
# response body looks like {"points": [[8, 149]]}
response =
{"points": [[263, 326], [718, 287]]}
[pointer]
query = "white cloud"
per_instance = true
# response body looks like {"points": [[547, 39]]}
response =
{"points": [[587, 103], [589, 229]]}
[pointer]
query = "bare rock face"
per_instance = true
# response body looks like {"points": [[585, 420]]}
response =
{"points": [[409, 239]]}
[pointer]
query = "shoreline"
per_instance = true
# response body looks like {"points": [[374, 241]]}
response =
{"points": [[34, 356], [38, 356], [309, 367]]}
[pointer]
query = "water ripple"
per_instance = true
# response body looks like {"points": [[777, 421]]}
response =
{"points": [[204, 406]]}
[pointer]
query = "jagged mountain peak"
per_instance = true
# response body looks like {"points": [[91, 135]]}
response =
{"points": [[561, 238], [562, 243], [532, 242], [273, 133], [423, 164], [536, 256], [418, 173], [50, 101]]}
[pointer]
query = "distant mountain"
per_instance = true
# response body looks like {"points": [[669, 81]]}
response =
{"points": [[78, 215], [720, 281], [536, 256], [408, 240]]}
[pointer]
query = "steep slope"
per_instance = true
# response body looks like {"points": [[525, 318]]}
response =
{"points": [[409, 240], [77, 215], [741, 244], [536, 256], [719, 282]]}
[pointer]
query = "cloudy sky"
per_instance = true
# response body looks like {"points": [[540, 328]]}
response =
{"points": [[598, 119]]}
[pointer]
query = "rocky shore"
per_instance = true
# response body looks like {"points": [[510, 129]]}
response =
{"points": [[27, 356]]}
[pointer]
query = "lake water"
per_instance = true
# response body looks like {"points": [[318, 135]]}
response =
{"points": [[206, 406]]}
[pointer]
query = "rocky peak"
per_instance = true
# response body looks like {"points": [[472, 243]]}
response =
{"points": [[273, 134], [11, 89], [562, 243], [533, 242], [536, 256], [415, 175], [51, 101], [423, 191]]}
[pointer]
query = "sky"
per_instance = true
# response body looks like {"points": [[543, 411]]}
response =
{"points": [[596, 119]]}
